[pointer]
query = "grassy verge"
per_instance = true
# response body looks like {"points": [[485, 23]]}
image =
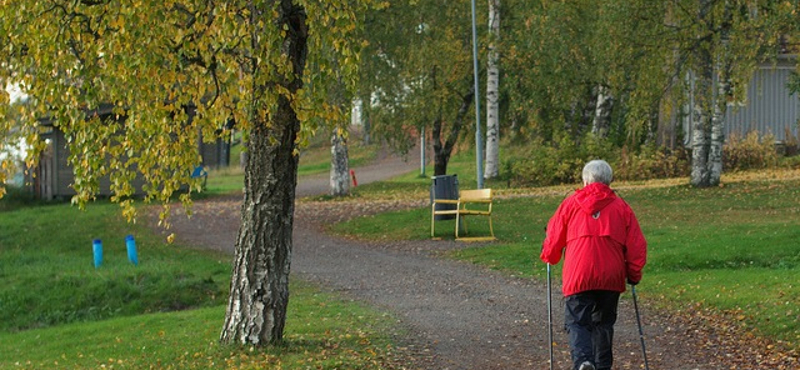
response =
{"points": [[323, 332], [732, 249], [49, 278], [57, 311]]}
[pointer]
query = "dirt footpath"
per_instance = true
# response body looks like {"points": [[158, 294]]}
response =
{"points": [[460, 316]]}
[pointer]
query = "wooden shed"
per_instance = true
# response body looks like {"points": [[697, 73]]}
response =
{"points": [[54, 176]]}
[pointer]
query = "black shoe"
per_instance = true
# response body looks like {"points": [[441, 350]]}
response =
{"points": [[586, 365]]}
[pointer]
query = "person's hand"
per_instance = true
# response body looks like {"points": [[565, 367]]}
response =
{"points": [[633, 283]]}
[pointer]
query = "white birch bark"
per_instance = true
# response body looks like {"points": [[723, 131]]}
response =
{"points": [[340, 174], [602, 113], [716, 134], [259, 290], [491, 169], [707, 135], [259, 296], [700, 127], [723, 67], [717, 138], [703, 107], [356, 107]]}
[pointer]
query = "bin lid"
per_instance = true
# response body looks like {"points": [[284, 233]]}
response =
{"points": [[443, 176]]}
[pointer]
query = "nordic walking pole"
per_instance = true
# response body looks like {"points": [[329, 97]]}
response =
{"points": [[550, 315], [639, 322]]}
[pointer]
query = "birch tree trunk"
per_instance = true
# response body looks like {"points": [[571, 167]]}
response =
{"points": [[723, 91], [491, 170], [702, 108], [717, 139], [602, 113], [710, 101], [256, 312], [340, 175], [360, 117], [701, 127], [716, 135]]}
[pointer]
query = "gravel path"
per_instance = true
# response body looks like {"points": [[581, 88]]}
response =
{"points": [[457, 315]]}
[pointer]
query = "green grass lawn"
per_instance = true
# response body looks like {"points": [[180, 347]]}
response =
{"points": [[730, 249], [734, 249], [57, 311], [323, 332], [313, 160], [49, 278]]}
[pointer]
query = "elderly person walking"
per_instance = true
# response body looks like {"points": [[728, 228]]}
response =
{"points": [[603, 248]]}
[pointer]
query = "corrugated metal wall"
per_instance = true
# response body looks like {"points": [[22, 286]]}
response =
{"points": [[769, 108]]}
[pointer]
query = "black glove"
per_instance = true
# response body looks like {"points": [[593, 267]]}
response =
{"points": [[631, 282]]}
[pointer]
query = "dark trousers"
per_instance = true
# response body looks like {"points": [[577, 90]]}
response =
{"points": [[589, 320]]}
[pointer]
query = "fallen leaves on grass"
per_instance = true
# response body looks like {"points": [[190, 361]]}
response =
{"points": [[729, 344]]}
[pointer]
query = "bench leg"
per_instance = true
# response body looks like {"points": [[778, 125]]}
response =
{"points": [[458, 220], [433, 218]]}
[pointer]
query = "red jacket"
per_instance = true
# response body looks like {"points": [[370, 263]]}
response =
{"points": [[604, 244]]}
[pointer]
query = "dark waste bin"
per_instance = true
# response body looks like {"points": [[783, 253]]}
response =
{"points": [[444, 187]]}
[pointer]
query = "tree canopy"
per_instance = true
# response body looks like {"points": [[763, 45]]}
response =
{"points": [[418, 73], [155, 60], [175, 70]]}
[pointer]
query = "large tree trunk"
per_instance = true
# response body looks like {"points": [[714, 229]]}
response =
{"points": [[492, 168], [256, 312], [340, 175]]}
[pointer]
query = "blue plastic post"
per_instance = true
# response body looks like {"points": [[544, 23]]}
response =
{"points": [[97, 248], [130, 242]]}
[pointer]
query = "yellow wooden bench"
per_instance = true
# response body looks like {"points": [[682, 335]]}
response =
{"points": [[481, 198]]}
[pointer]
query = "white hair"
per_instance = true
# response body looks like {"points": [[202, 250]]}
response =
{"points": [[597, 170]]}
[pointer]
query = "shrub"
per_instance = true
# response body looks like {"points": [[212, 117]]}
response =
{"points": [[541, 164], [16, 197], [651, 163], [749, 152]]}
